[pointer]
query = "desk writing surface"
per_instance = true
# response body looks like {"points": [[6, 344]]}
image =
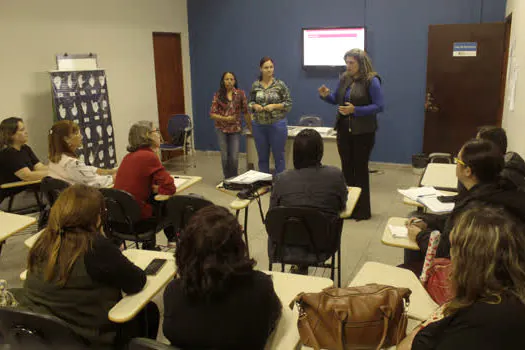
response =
{"points": [[19, 184], [12, 223], [421, 304], [185, 183], [441, 176], [130, 305], [353, 196], [399, 242], [287, 286]]}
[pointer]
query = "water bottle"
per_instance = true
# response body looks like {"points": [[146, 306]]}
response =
{"points": [[7, 299]]}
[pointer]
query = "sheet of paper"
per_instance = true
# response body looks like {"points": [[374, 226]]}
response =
{"points": [[251, 176], [415, 192], [179, 181], [434, 204], [398, 231]]}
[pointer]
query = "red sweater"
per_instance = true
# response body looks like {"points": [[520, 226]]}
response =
{"points": [[138, 172]]}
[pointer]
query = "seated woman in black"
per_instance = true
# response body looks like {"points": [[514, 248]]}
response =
{"points": [[76, 274], [218, 301], [479, 164], [17, 160], [488, 278]]}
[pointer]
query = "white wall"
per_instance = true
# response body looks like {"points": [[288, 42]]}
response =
{"points": [[514, 121], [32, 32]]}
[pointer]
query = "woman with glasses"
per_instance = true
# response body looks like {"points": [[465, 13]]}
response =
{"points": [[142, 174], [478, 168], [75, 273]]}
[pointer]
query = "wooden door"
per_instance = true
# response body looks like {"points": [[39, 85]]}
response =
{"points": [[168, 74], [464, 83]]}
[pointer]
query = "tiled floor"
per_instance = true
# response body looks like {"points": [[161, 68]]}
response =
{"points": [[361, 241]]}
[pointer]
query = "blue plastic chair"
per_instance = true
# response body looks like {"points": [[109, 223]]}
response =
{"points": [[180, 130]]}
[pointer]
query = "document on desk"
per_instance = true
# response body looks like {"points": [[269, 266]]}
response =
{"points": [[398, 231], [433, 203], [416, 192], [251, 177], [179, 181]]}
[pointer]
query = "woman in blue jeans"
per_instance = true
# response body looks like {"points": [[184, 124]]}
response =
{"points": [[228, 104], [270, 101]]}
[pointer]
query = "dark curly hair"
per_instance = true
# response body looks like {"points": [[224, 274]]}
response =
{"points": [[222, 88], [211, 253]]}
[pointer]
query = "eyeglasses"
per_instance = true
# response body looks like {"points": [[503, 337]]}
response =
{"points": [[156, 130], [459, 161]]}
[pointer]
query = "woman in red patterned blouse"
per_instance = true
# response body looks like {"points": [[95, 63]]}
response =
{"points": [[228, 104]]}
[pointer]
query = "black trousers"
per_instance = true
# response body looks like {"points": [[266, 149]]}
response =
{"points": [[354, 151]]}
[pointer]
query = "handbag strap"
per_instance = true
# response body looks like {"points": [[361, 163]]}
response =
{"points": [[385, 331]]}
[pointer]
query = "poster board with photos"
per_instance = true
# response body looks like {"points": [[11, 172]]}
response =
{"points": [[82, 97]]}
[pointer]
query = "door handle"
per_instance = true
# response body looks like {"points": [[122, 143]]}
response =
{"points": [[430, 105]]}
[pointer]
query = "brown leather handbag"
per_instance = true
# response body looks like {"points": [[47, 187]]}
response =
{"points": [[367, 317]]}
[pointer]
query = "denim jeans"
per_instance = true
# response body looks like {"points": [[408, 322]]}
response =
{"points": [[229, 144], [270, 137]]}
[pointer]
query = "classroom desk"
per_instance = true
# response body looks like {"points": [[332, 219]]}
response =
{"points": [[353, 196], [330, 154], [19, 184], [410, 202], [11, 224], [392, 241], [421, 304], [238, 204], [130, 305], [441, 176], [287, 286], [190, 181], [31, 240]]}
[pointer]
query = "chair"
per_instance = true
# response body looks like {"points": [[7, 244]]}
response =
{"points": [[148, 344], [11, 190], [181, 208], [304, 236], [310, 120], [437, 157], [124, 219], [22, 329], [180, 130], [51, 189]]}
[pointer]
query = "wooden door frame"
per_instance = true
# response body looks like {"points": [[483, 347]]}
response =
{"points": [[504, 69]]}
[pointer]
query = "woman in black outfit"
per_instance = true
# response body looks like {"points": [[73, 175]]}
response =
{"points": [[478, 168], [218, 301], [77, 275], [488, 278], [360, 98]]}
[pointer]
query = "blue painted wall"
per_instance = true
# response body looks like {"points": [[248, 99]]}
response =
{"points": [[235, 34]]}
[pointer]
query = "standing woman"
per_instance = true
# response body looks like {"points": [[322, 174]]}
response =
{"points": [[226, 108], [270, 100], [360, 99]]}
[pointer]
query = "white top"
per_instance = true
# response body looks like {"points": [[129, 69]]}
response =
{"points": [[75, 171]]}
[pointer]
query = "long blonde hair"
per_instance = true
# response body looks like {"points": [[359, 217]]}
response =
{"points": [[488, 257], [366, 70], [73, 225]]}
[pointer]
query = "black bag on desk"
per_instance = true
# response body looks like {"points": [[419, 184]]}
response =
{"points": [[253, 187]]}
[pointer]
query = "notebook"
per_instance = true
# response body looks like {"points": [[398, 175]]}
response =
{"points": [[428, 196], [179, 181], [398, 231]]}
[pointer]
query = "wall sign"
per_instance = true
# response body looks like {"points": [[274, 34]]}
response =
{"points": [[465, 49]]}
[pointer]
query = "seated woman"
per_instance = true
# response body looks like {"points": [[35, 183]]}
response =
{"points": [[488, 278], [218, 301], [142, 174], [76, 274], [479, 164], [63, 140], [310, 184], [17, 160]]}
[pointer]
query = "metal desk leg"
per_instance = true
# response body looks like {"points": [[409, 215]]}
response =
{"points": [[246, 229]]}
